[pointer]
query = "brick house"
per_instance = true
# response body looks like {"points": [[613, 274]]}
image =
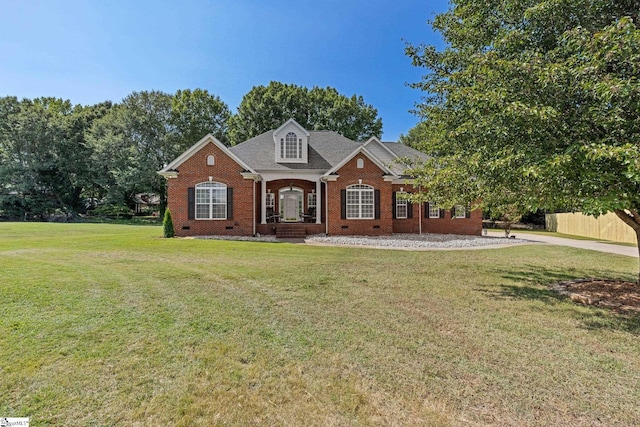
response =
{"points": [[293, 182]]}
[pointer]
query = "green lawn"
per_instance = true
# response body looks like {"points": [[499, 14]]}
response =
{"points": [[109, 324]]}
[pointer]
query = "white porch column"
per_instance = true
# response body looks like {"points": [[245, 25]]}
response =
{"points": [[318, 202], [263, 205]]}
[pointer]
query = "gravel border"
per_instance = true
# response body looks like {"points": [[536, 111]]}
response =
{"points": [[269, 238], [395, 241], [435, 241]]}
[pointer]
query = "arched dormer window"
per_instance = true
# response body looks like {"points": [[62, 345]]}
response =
{"points": [[292, 146], [291, 143]]}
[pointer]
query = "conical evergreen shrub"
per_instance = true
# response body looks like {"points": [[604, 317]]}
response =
{"points": [[167, 223]]}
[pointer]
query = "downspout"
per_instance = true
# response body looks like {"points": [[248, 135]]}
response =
{"points": [[253, 210], [326, 208], [420, 211]]}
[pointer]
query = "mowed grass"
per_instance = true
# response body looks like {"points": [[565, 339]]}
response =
{"points": [[114, 325]]}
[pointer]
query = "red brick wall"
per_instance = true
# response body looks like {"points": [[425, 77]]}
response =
{"points": [[372, 175], [407, 225], [194, 171], [448, 225]]}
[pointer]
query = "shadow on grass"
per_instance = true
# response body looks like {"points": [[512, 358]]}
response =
{"points": [[533, 283], [611, 321]]}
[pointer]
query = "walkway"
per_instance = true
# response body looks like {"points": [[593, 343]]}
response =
{"points": [[593, 245]]}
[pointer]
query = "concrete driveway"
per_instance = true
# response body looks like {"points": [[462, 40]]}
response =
{"points": [[582, 244]]}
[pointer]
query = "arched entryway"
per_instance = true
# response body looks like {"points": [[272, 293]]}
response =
{"points": [[291, 205]]}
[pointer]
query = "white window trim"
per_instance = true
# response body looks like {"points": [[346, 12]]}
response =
{"points": [[300, 193], [210, 187], [360, 189], [293, 145], [460, 208], [401, 202], [311, 200], [433, 207], [270, 200]]}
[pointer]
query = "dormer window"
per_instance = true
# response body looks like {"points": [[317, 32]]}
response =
{"points": [[292, 146], [291, 143]]}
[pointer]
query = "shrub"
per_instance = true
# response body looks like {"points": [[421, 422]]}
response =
{"points": [[167, 224]]}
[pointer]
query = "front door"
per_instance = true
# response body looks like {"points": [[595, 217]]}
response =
{"points": [[291, 211]]}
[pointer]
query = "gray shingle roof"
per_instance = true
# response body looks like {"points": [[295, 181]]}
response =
{"points": [[326, 150], [403, 151]]}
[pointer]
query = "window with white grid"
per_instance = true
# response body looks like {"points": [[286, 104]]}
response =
{"points": [[311, 200], [270, 200], [360, 202], [292, 147], [401, 205], [460, 211], [211, 200], [434, 210]]}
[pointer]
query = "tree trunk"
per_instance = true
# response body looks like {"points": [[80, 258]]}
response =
{"points": [[638, 243], [632, 219]]}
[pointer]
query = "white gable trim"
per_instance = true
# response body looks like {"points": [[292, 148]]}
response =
{"points": [[360, 150], [169, 170], [291, 121]]}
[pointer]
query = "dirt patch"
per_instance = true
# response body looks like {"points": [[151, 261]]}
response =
{"points": [[623, 297]]}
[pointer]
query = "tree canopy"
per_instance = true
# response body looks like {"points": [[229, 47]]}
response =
{"points": [[267, 107], [535, 104], [56, 158], [59, 158], [147, 130], [45, 163]]}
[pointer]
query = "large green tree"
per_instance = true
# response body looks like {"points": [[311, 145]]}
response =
{"points": [[196, 113], [144, 132], [131, 144], [267, 107], [535, 104], [45, 163]]}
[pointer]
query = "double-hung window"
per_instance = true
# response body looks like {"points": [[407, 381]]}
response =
{"points": [[460, 211], [311, 200], [360, 202], [211, 200], [434, 210], [401, 205]]}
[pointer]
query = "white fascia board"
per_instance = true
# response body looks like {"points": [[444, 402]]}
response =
{"points": [[197, 147], [250, 175], [368, 154], [168, 174], [308, 175]]}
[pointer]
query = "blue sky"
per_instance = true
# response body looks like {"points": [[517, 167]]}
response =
{"points": [[92, 51]]}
